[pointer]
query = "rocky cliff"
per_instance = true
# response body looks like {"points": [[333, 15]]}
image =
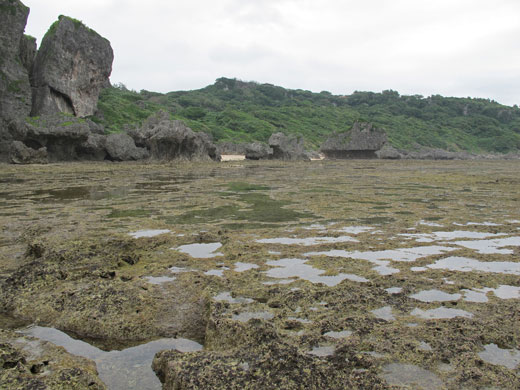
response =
{"points": [[73, 64], [363, 140], [15, 62]]}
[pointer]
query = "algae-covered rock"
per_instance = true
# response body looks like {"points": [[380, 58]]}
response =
{"points": [[28, 363], [91, 288], [73, 64]]}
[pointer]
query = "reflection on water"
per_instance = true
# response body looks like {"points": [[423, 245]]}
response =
{"points": [[491, 246], [148, 233], [338, 335], [201, 251], [290, 268], [322, 351], [227, 297], [308, 241], [128, 369], [440, 313], [384, 313], [435, 296], [411, 376], [465, 264], [509, 358]]}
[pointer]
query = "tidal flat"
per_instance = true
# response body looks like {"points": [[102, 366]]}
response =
{"points": [[325, 274]]}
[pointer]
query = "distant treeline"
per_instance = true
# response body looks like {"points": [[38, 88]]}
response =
{"points": [[237, 111]]}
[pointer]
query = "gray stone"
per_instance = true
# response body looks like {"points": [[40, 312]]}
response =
{"points": [[287, 147], [73, 64], [60, 134], [121, 147], [388, 152], [94, 148], [363, 140], [231, 148], [171, 139], [258, 151], [22, 154]]}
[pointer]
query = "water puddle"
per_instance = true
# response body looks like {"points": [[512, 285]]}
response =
{"points": [[242, 267], [201, 251], [394, 290], [440, 313], [159, 279], [300, 320], [216, 272], [384, 313], [308, 241], [509, 358], [248, 315], [402, 254], [465, 264], [227, 297], [338, 335], [323, 351], [435, 296], [128, 369], [356, 229], [431, 224], [436, 236], [148, 233], [491, 246], [411, 376], [296, 268]]}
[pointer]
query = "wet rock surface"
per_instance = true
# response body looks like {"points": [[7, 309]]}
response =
{"points": [[104, 251], [121, 147], [73, 64], [29, 363]]}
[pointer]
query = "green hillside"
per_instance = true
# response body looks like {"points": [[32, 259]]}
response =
{"points": [[232, 110]]}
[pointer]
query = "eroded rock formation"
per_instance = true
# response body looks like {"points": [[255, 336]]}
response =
{"points": [[73, 64], [15, 60], [287, 147], [170, 139], [258, 151], [363, 140]]}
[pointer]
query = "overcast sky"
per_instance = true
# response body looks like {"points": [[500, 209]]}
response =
{"points": [[448, 47]]}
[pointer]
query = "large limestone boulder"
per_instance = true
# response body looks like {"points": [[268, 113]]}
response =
{"points": [[287, 147], [22, 154], [258, 151], [16, 51], [121, 147], [73, 64], [171, 139], [60, 134], [363, 140]]}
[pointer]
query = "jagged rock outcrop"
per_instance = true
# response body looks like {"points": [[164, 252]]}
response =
{"points": [[94, 148], [258, 151], [287, 147], [121, 147], [171, 139], [73, 64], [388, 152], [363, 140], [15, 53], [22, 154], [60, 134], [231, 148]]}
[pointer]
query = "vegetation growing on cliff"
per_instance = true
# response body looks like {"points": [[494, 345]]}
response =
{"points": [[232, 110]]}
